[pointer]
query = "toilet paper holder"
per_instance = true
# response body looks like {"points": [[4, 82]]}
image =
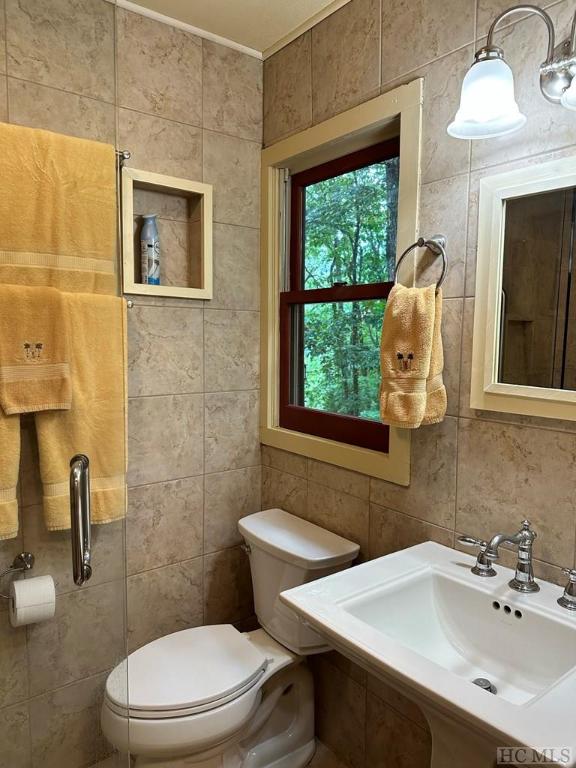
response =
{"points": [[22, 562]]}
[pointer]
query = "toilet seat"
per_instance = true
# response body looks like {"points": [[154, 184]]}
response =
{"points": [[210, 715], [185, 673]]}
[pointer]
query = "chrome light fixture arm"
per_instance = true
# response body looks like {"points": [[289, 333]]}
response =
{"points": [[557, 70]]}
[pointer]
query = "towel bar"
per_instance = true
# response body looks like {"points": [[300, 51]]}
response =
{"points": [[437, 245]]}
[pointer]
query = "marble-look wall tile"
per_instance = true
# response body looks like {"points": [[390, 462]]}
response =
{"points": [[232, 166], [68, 44], [52, 551], [165, 438], [431, 495], [452, 339], [159, 68], [164, 600], [324, 758], [285, 491], [394, 740], [38, 106], [228, 593], [3, 98], [340, 713], [161, 146], [508, 473], [231, 424], [288, 90], [548, 126], [228, 497], [284, 461], [15, 737], [236, 268], [2, 37], [232, 92], [165, 354], [344, 480], [64, 725], [346, 515], [346, 58], [62, 651], [391, 531], [164, 524], [442, 156], [435, 199], [392, 698], [427, 32], [231, 342], [13, 662]]}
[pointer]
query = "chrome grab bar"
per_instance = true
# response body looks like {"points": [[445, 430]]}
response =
{"points": [[80, 517]]}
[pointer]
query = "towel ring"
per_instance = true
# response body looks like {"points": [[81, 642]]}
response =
{"points": [[437, 245]]}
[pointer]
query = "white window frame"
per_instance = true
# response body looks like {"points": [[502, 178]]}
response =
{"points": [[398, 112]]}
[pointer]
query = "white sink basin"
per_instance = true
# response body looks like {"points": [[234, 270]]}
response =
{"points": [[423, 622]]}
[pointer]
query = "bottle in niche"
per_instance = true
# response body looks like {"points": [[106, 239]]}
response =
{"points": [[150, 250]]}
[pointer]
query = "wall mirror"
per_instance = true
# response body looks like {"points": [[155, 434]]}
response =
{"points": [[524, 346]]}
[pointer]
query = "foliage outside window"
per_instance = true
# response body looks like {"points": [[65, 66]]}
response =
{"points": [[342, 257]]}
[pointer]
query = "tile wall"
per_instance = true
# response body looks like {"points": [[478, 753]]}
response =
{"points": [[190, 108], [478, 472]]}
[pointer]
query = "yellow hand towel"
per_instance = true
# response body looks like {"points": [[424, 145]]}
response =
{"points": [[58, 211], [96, 423], [9, 466], [435, 389], [405, 353], [34, 368]]}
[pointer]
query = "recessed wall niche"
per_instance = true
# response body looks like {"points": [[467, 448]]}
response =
{"points": [[184, 218]]}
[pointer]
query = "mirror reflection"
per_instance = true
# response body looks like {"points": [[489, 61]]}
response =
{"points": [[538, 301]]}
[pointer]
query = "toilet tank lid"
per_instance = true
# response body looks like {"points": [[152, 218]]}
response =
{"points": [[297, 541]]}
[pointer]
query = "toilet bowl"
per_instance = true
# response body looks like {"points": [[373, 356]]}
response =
{"points": [[213, 697]]}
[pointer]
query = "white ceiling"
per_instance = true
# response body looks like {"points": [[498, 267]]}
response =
{"points": [[261, 25]]}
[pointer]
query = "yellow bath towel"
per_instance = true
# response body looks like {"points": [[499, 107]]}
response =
{"points": [[34, 367], [58, 211], [435, 390], [9, 465], [411, 324], [96, 423]]}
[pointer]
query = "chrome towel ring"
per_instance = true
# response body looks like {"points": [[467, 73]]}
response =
{"points": [[436, 245]]}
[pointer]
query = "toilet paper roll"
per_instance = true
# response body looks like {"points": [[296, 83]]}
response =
{"points": [[32, 600]]}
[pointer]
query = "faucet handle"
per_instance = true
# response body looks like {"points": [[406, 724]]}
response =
{"points": [[470, 541], [568, 599], [527, 528], [483, 565]]}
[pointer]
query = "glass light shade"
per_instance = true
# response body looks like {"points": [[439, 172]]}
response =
{"points": [[487, 104], [568, 98]]}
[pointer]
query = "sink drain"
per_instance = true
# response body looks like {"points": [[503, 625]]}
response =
{"points": [[485, 684]]}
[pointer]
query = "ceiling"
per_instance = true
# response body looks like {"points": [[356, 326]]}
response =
{"points": [[262, 25]]}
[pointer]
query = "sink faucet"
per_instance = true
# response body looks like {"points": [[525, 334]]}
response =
{"points": [[523, 580]]}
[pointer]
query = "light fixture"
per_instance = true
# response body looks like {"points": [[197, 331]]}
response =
{"points": [[488, 106]]}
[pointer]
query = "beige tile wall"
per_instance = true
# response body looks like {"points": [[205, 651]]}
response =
{"points": [[478, 472], [193, 109]]}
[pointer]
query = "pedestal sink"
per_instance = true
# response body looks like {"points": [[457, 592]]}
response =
{"points": [[421, 621]]}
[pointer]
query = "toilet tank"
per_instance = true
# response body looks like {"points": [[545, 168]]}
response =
{"points": [[286, 551]]}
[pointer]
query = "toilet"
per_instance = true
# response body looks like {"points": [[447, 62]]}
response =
{"points": [[214, 697]]}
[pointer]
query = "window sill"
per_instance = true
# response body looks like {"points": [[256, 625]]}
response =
{"points": [[393, 466]]}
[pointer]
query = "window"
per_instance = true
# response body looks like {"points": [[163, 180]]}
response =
{"points": [[343, 227]]}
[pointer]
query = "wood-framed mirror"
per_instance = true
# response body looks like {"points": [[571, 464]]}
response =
{"points": [[524, 345]]}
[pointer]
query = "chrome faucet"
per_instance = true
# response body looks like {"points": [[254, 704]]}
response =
{"points": [[523, 580], [483, 565], [568, 599]]}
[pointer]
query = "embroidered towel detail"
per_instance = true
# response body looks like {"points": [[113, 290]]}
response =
{"points": [[34, 359]]}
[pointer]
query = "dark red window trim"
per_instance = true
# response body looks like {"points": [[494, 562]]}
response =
{"points": [[332, 426]]}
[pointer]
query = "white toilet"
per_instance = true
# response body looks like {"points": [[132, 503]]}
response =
{"points": [[213, 697]]}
